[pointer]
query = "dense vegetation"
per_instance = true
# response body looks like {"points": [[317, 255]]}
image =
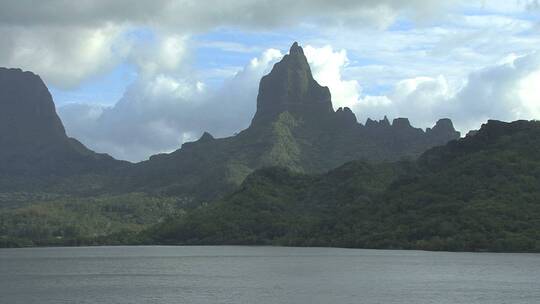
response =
{"points": [[478, 193], [295, 126], [45, 219]]}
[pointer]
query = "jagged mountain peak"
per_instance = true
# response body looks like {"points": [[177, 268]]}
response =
{"points": [[401, 123], [378, 124], [296, 49], [290, 87], [27, 111], [444, 128], [32, 136], [346, 116], [206, 137]]}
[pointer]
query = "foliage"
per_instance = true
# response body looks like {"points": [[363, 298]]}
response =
{"points": [[475, 194], [478, 193], [65, 220]]}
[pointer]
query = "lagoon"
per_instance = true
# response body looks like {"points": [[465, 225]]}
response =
{"points": [[264, 275]]}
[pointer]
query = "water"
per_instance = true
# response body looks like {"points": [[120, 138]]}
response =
{"points": [[262, 275]]}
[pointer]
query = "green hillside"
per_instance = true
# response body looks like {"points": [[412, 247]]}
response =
{"points": [[478, 193], [295, 126], [44, 219]]}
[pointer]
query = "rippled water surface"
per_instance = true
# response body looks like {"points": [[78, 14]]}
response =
{"points": [[263, 275]]}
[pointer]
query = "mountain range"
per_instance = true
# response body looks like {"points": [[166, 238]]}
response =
{"points": [[301, 174], [479, 193], [295, 126]]}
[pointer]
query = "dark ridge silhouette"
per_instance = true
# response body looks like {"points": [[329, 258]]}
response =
{"points": [[32, 138]]}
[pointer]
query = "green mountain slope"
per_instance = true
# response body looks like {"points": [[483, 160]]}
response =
{"points": [[295, 126], [46, 220], [478, 193]]}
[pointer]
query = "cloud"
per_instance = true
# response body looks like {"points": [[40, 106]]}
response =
{"points": [[327, 66], [64, 56], [91, 37], [454, 46], [165, 108], [503, 6], [203, 15], [533, 5], [506, 91], [390, 67], [503, 91], [166, 52], [416, 98]]}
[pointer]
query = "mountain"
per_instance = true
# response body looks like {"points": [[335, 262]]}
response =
{"points": [[295, 126], [478, 193], [290, 87], [405, 188], [33, 141]]}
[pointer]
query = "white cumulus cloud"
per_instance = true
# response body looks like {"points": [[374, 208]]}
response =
{"points": [[64, 56], [506, 90], [69, 42], [327, 66], [165, 108]]}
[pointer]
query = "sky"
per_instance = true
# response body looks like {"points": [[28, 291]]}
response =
{"points": [[136, 78]]}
